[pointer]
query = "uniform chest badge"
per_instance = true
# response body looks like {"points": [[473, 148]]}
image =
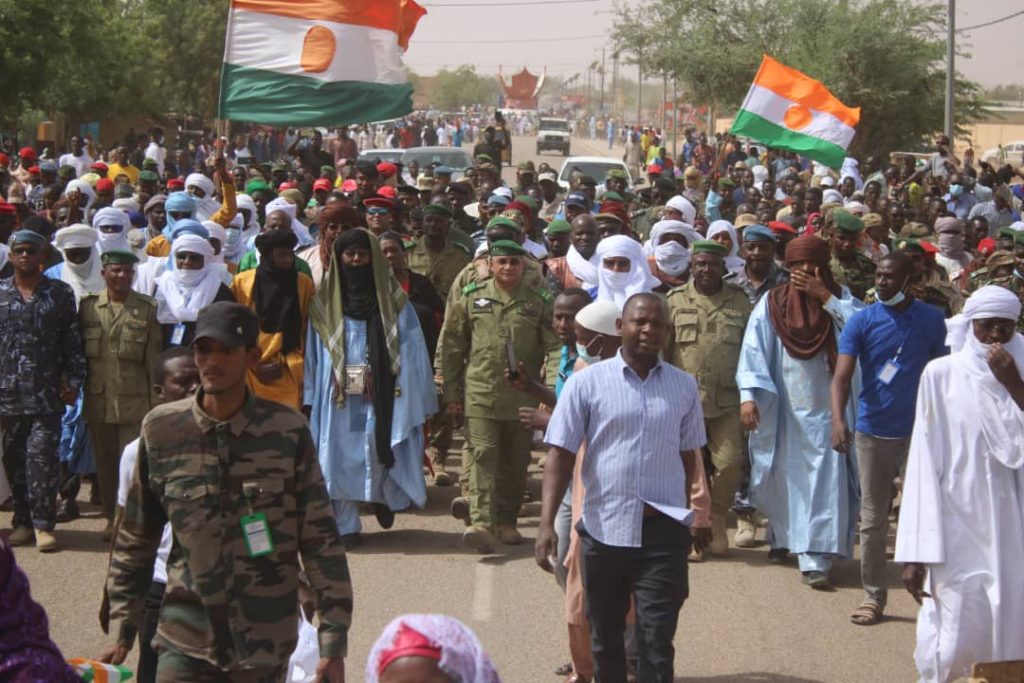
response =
{"points": [[481, 304]]}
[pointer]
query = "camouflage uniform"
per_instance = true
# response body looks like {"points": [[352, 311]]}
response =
{"points": [[40, 349], [476, 328], [858, 275], [935, 291], [224, 609]]}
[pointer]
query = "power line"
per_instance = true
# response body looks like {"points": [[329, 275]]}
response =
{"points": [[509, 4], [990, 23], [514, 40]]}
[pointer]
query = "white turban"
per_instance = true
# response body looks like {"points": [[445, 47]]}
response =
{"points": [[671, 257], [857, 208], [600, 317], [84, 188], [683, 206], [112, 241], [618, 287], [77, 236], [831, 197], [200, 181], [991, 301], [125, 204], [193, 244], [760, 175], [82, 277], [733, 262], [300, 230]]}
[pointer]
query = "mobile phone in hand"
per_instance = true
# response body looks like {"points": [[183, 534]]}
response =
{"points": [[510, 360]]}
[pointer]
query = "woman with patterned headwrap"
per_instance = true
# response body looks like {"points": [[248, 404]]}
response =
{"points": [[368, 386], [808, 491]]}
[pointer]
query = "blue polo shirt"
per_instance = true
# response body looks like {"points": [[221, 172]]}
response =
{"points": [[879, 334]]}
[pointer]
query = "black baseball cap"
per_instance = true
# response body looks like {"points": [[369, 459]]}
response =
{"points": [[229, 323]]}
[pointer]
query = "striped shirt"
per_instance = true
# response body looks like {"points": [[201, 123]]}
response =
{"points": [[635, 430]]}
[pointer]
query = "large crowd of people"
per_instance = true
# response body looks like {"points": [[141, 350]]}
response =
{"points": [[241, 351]]}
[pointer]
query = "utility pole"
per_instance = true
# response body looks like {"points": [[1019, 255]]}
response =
{"points": [[602, 80], [675, 119], [639, 87], [950, 66], [615, 79]]}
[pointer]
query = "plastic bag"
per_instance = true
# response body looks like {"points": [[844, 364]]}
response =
{"points": [[92, 671], [302, 665]]}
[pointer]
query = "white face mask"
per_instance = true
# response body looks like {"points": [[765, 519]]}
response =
{"points": [[617, 280], [189, 278], [584, 355], [672, 257], [80, 269]]}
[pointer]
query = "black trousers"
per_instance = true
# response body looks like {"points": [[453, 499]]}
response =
{"points": [[146, 673], [656, 574]]}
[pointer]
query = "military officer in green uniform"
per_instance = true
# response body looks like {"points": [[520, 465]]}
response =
{"points": [[642, 221], [709, 316], [928, 282], [442, 211], [237, 479], [122, 338], [850, 266], [440, 260], [498, 322]]}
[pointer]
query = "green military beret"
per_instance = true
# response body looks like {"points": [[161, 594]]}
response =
{"points": [[148, 177], [1008, 233], [1018, 238], [560, 227], [709, 247], [846, 221], [612, 196], [503, 222], [437, 210], [506, 248], [909, 244], [118, 257], [485, 158], [529, 201], [616, 173], [725, 182], [150, 162], [66, 171]]}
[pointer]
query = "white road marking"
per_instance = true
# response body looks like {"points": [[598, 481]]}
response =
{"points": [[483, 591]]}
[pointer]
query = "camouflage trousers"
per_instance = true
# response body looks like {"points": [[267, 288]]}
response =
{"points": [[175, 667], [32, 466]]}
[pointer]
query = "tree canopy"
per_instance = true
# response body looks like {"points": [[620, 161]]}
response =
{"points": [[885, 56], [463, 87]]}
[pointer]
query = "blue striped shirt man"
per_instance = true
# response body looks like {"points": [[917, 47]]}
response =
{"points": [[635, 430]]}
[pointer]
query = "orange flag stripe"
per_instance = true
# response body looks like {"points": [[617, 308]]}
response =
{"points": [[382, 14], [801, 88]]}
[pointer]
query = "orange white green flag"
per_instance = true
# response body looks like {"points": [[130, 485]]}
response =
{"points": [[787, 109], [317, 62]]}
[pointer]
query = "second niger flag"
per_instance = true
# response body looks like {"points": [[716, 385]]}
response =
{"points": [[317, 62], [789, 110]]}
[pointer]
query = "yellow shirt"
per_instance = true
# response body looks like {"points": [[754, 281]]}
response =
{"points": [[287, 388], [114, 170]]}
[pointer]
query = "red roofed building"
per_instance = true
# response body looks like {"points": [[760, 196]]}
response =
{"points": [[522, 92]]}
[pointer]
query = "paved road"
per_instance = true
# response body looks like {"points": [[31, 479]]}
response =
{"points": [[746, 620]]}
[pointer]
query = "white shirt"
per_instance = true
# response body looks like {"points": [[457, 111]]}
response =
{"points": [[81, 164], [125, 475], [157, 154], [442, 136]]}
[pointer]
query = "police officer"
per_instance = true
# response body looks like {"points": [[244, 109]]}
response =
{"points": [[498, 323], [41, 369], [709, 316], [122, 339], [438, 258], [850, 266], [238, 480]]}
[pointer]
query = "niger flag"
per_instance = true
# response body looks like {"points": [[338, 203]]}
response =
{"points": [[317, 62]]}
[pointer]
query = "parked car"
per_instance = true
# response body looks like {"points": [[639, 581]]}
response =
{"points": [[455, 158], [1013, 153], [392, 156], [595, 167], [553, 134]]}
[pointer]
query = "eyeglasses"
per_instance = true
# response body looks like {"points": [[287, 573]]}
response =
{"points": [[377, 211]]}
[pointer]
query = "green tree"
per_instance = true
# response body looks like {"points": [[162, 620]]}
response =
{"points": [[462, 87], [884, 56]]}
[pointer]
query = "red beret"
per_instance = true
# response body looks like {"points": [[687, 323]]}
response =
{"points": [[348, 186], [99, 166], [176, 184], [27, 154], [4, 160], [287, 185], [987, 246], [379, 201], [386, 169], [780, 226], [33, 169], [104, 185], [322, 184], [387, 191], [7, 209]]}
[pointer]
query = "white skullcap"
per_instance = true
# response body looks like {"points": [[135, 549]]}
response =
{"points": [[600, 317], [683, 206], [831, 197], [125, 204], [216, 231], [827, 181], [503, 192], [990, 301], [192, 243], [77, 236], [857, 208]]}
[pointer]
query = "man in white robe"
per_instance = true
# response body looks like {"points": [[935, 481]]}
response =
{"points": [[961, 526]]}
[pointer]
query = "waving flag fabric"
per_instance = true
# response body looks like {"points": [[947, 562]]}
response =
{"points": [[787, 109], [317, 62]]}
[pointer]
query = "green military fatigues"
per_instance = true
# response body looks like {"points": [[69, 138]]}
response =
{"points": [[477, 327], [462, 229], [441, 269], [642, 221], [225, 606], [121, 343], [704, 340], [858, 275]]}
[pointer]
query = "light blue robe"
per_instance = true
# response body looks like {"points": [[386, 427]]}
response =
{"points": [[809, 492], [344, 437]]}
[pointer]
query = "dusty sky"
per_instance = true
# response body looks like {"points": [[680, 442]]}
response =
{"points": [[483, 35]]}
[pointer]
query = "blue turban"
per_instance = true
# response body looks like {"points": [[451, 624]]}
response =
{"points": [[177, 201], [189, 226]]}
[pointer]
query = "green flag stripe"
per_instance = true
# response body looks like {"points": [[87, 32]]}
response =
{"points": [[761, 129], [260, 96]]}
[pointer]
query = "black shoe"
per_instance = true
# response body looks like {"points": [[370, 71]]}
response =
{"points": [[778, 555], [817, 580], [385, 516], [351, 540], [460, 509], [67, 510]]}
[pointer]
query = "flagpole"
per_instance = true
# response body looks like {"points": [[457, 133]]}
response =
{"points": [[950, 66]]}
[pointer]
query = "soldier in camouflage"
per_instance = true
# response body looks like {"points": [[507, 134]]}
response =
{"points": [[42, 368], [850, 266], [497, 321], [238, 480]]}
